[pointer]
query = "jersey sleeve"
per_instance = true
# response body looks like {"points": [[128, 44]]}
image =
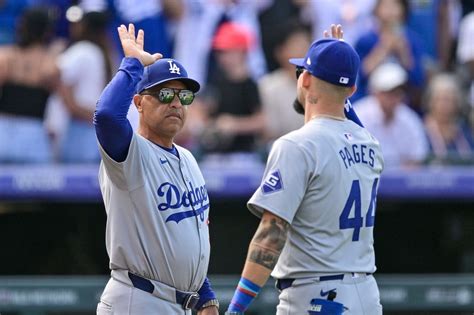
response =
{"points": [[284, 182], [128, 174]]}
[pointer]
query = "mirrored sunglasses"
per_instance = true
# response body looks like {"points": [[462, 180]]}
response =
{"points": [[166, 95]]}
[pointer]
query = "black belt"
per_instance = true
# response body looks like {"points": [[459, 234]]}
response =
{"points": [[283, 284], [187, 300]]}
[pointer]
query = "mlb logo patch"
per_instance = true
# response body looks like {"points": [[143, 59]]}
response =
{"points": [[343, 80], [348, 136], [272, 183]]}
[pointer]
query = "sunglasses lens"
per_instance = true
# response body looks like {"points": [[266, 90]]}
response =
{"points": [[166, 95], [186, 97], [299, 71]]}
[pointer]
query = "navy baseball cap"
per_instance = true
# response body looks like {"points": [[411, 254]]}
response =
{"points": [[331, 60], [164, 70]]}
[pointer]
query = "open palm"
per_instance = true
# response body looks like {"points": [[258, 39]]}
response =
{"points": [[133, 46]]}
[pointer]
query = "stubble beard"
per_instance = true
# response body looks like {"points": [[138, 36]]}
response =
{"points": [[298, 107]]}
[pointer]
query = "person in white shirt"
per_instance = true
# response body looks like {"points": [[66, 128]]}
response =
{"points": [[384, 113]]}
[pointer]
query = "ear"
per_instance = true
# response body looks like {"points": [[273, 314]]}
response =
{"points": [[306, 79], [353, 89], [137, 100]]}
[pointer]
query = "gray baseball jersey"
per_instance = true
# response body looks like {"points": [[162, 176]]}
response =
{"points": [[323, 179], [157, 212]]}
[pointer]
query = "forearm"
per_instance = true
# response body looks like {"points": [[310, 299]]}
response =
{"points": [[113, 129], [264, 251], [74, 109], [374, 59], [252, 124]]}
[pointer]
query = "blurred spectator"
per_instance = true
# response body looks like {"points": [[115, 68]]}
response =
{"points": [[235, 117], [57, 12], [28, 74], [277, 89], [435, 22], [384, 113], [193, 42], [274, 15], [86, 67], [465, 55], [391, 41], [10, 11], [354, 15], [449, 137]]}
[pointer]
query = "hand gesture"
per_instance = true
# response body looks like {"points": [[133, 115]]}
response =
{"points": [[336, 32], [133, 47]]}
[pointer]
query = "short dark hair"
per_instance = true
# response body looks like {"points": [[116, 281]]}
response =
{"points": [[34, 26]]}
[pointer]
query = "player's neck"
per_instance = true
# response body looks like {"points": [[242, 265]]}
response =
{"points": [[331, 111], [162, 141]]}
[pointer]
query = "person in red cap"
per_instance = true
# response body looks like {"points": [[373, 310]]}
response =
{"points": [[235, 115]]}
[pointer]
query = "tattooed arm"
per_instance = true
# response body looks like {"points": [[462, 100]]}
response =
{"points": [[265, 248]]}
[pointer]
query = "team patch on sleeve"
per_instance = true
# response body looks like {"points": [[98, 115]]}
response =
{"points": [[272, 183]]}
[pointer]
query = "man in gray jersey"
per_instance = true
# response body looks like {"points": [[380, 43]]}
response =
{"points": [[317, 199], [155, 197]]}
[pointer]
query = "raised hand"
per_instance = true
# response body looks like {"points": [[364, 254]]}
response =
{"points": [[133, 47], [336, 32]]}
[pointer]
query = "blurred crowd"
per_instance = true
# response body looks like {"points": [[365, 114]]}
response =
{"points": [[415, 87]]}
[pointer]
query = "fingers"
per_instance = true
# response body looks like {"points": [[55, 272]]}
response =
{"points": [[131, 31], [157, 56], [122, 31], [141, 38], [336, 32], [339, 32]]}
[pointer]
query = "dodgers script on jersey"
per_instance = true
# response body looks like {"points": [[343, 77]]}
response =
{"points": [[160, 205], [323, 179]]}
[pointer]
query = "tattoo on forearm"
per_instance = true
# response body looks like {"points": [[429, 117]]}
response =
{"points": [[268, 242], [263, 256]]}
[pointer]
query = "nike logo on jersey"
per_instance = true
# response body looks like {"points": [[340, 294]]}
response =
{"points": [[163, 161], [194, 201], [272, 183], [325, 293]]}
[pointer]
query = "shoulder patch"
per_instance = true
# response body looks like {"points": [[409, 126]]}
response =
{"points": [[272, 183]]}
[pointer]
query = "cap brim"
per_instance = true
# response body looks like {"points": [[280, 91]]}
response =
{"points": [[297, 61], [191, 84]]}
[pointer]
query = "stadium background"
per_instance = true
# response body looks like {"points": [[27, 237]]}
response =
{"points": [[52, 227]]}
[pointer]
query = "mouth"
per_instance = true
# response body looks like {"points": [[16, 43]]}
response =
{"points": [[174, 115]]}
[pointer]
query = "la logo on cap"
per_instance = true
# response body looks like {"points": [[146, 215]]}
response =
{"points": [[173, 67]]}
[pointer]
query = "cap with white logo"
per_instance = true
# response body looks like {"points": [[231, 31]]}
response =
{"points": [[331, 60], [165, 70]]}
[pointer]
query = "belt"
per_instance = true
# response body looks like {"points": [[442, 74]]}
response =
{"points": [[282, 284], [188, 300]]}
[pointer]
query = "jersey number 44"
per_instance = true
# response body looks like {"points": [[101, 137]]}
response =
{"points": [[354, 202]]}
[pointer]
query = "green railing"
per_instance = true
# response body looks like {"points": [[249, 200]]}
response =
{"points": [[39, 295]]}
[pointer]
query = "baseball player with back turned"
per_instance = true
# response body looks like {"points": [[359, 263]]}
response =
{"points": [[317, 199], [154, 193]]}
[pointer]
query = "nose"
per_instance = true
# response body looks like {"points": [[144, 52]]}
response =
{"points": [[175, 102]]}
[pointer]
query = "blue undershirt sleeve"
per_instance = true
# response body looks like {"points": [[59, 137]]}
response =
{"points": [[351, 114], [112, 127]]}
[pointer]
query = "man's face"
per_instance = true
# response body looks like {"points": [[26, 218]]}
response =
{"points": [[160, 118], [298, 104], [389, 100]]}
